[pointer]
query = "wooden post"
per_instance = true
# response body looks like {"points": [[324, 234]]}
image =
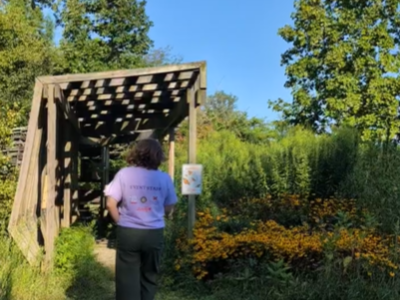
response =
{"points": [[171, 154], [52, 222], [74, 175], [105, 162], [67, 203], [192, 158]]}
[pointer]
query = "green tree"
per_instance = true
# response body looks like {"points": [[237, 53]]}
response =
{"points": [[220, 111], [101, 35], [25, 51], [161, 57], [343, 66]]}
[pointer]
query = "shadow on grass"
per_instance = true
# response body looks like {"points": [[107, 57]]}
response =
{"points": [[92, 281]]}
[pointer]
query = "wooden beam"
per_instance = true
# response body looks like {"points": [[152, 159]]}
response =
{"points": [[102, 129], [105, 157], [203, 76], [29, 147], [52, 217], [109, 117], [65, 107], [127, 91], [23, 222], [192, 157], [171, 154], [74, 173], [67, 169], [122, 73], [93, 105], [177, 115], [142, 96]]}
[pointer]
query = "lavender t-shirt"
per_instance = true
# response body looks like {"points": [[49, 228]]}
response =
{"points": [[142, 195]]}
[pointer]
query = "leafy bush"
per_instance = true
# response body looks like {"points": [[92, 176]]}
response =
{"points": [[8, 174]]}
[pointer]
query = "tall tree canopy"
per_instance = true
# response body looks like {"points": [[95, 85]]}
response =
{"points": [[101, 35], [26, 51], [343, 65]]}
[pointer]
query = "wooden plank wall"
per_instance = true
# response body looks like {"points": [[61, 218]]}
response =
{"points": [[47, 185]]}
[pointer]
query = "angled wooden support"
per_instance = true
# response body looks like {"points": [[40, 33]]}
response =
{"points": [[23, 221], [29, 148]]}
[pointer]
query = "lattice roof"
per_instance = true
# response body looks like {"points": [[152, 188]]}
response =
{"points": [[119, 106]]}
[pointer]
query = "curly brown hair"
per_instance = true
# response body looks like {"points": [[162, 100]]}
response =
{"points": [[147, 153]]}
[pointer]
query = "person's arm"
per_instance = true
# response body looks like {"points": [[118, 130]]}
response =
{"points": [[112, 207], [113, 192]]}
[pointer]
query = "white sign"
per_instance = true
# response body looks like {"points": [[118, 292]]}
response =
{"points": [[192, 178]]}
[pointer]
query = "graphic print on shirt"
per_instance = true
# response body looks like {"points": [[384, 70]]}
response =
{"points": [[143, 198], [134, 200]]}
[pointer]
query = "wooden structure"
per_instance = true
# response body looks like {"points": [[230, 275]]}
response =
{"points": [[77, 117], [15, 152]]}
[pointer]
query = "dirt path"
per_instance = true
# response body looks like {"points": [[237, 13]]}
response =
{"points": [[105, 255]]}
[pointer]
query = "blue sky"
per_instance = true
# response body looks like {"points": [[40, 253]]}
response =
{"points": [[239, 41]]}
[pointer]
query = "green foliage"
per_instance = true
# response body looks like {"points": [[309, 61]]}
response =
{"points": [[83, 276], [300, 163], [342, 66], [25, 51], [374, 183], [103, 35], [161, 57], [220, 113], [77, 274], [8, 174], [18, 280], [73, 245]]}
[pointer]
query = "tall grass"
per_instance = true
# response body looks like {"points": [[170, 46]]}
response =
{"points": [[76, 274], [18, 280]]}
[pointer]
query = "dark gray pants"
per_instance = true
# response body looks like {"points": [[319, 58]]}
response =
{"points": [[137, 262]]}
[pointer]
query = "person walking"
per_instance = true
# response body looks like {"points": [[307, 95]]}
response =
{"points": [[138, 199]]}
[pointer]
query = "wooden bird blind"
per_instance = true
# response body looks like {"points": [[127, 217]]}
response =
{"points": [[71, 112]]}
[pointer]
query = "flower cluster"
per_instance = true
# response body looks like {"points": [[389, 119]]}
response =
{"points": [[301, 245]]}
